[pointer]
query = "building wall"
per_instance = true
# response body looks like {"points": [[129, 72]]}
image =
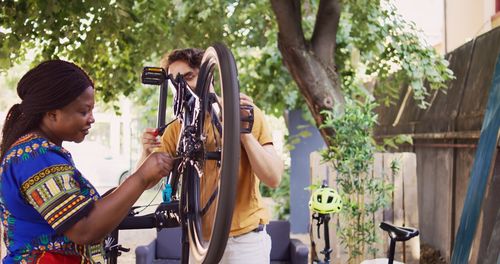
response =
{"points": [[299, 170], [428, 15], [466, 19], [448, 24]]}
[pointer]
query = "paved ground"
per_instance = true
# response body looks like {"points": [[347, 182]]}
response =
{"points": [[133, 238]]}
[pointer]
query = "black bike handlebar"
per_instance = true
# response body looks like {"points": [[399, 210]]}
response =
{"points": [[165, 216]]}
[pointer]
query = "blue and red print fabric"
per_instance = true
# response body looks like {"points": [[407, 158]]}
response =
{"points": [[42, 195]]}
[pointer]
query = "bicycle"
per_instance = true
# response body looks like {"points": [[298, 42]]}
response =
{"points": [[325, 201], [209, 136]]}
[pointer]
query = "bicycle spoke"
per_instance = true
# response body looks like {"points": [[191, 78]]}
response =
{"points": [[215, 115], [209, 202]]}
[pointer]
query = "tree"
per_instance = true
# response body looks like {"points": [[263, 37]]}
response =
{"points": [[113, 41], [317, 40], [343, 28]]}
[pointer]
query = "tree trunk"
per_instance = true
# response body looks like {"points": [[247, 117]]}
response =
{"points": [[311, 63]]}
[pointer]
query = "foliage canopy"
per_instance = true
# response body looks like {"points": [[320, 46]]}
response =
{"points": [[113, 41]]}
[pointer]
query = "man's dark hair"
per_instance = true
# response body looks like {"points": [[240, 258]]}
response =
{"points": [[191, 56], [50, 85]]}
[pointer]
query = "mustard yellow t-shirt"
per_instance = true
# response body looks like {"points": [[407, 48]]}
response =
{"points": [[249, 210]]}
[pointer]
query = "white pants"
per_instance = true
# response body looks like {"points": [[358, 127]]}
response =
{"points": [[251, 248]]}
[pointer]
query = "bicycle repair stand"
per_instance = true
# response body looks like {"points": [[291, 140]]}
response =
{"points": [[165, 216], [323, 219]]}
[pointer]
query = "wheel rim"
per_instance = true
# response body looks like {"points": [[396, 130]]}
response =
{"points": [[213, 202]]}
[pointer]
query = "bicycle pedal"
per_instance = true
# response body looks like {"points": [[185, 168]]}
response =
{"points": [[153, 75]]}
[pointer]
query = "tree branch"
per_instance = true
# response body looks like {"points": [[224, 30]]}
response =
{"points": [[289, 20], [325, 31]]}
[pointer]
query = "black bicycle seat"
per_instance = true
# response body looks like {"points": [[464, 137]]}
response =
{"points": [[399, 233]]}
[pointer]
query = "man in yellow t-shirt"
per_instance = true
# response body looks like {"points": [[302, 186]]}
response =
{"points": [[248, 241]]}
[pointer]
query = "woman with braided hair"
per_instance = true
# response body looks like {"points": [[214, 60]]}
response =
{"points": [[50, 212]]}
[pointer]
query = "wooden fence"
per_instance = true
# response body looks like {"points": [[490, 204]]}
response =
{"points": [[402, 210]]}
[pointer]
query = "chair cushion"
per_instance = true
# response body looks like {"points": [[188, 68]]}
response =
{"points": [[168, 243], [166, 261], [280, 237]]}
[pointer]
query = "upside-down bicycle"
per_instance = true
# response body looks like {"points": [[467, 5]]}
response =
{"points": [[209, 140]]}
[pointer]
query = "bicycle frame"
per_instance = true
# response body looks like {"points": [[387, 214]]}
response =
{"points": [[187, 108]]}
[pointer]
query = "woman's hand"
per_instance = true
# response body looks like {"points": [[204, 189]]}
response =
{"points": [[155, 166]]}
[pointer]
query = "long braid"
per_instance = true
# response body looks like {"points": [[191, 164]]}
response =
{"points": [[15, 125], [50, 85]]}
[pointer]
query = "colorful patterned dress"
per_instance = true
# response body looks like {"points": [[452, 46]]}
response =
{"points": [[42, 195]]}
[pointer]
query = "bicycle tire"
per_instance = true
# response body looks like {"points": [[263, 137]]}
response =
{"points": [[208, 229]]}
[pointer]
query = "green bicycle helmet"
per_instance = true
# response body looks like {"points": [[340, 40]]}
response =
{"points": [[325, 200]]}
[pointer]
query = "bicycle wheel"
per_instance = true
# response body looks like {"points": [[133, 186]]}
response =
{"points": [[211, 183]]}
